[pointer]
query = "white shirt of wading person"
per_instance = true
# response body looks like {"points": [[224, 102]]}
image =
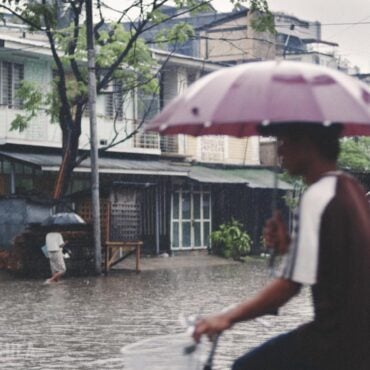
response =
{"points": [[54, 241]]}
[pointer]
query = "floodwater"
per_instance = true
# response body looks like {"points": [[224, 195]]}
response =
{"points": [[82, 323]]}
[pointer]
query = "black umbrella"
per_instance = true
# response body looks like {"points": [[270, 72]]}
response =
{"points": [[63, 218]]}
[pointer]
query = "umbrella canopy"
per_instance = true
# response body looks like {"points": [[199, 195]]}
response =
{"points": [[237, 100], [63, 218]]}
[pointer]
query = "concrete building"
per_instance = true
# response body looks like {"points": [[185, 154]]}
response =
{"points": [[171, 191]]}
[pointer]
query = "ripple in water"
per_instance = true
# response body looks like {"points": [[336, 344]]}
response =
{"points": [[84, 323]]}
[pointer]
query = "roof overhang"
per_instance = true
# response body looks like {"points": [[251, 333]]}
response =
{"points": [[252, 177], [319, 41], [51, 163], [24, 46], [185, 61]]}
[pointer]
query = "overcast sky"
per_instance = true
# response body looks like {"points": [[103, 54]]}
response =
{"points": [[353, 38]]}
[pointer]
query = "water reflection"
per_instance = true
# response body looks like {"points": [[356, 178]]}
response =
{"points": [[82, 323]]}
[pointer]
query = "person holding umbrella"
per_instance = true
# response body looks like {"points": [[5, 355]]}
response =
{"points": [[54, 243], [329, 250], [308, 108]]}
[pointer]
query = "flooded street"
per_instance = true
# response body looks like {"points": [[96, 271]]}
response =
{"points": [[82, 323]]}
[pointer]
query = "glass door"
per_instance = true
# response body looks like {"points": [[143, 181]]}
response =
{"points": [[191, 217]]}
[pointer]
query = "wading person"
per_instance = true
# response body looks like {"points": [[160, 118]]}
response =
{"points": [[329, 249], [54, 243]]}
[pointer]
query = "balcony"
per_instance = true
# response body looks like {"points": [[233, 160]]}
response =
{"points": [[41, 132], [38, 132]]}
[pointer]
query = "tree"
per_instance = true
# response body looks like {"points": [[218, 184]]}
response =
{"points": [[122, 58], [355, 154]]}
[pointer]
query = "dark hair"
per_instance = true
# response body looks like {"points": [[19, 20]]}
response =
{"points": [[325, 138]]}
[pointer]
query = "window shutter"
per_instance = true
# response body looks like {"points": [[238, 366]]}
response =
{"points": [[147, 105], [114, 101], [7, 84], [18, 78], [12, 74]]}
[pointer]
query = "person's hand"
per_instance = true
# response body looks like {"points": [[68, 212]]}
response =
{"points": [[275, 234], [211, 326]]}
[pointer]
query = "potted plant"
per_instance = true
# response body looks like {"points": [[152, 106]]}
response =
{"points": [[230, 240]]}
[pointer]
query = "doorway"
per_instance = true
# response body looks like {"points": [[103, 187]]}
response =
{"points": [[190, 217]]}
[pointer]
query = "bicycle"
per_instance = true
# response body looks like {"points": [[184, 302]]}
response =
{"points": [[174, 351], [162, 352]]}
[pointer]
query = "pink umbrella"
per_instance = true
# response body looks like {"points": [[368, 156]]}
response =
{"points": [[236, 100]]}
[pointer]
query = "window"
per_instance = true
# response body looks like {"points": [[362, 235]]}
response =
{"points": [[191, 217], [147, 105], [114, 101], [11, 76]]}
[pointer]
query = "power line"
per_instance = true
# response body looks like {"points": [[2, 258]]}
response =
{"points": [[327, 24]]}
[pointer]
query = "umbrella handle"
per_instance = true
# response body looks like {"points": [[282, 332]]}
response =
{"points": [[273, 254], [208, 364]]}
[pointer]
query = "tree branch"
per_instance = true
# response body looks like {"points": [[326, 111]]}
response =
{"points": [[23, 19], [62, 89], [72, 45]]}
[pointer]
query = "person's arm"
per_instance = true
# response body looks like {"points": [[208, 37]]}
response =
{"points": [[274, 295], [269, 299], [62, 242]]}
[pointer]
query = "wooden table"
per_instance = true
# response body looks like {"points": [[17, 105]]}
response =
{"points": [[114, 248]]}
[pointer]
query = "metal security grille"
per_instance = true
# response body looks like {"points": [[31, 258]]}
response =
{"points": [[169, 144], [84, 209], [125, 222], [11, 76], [114, 101]]}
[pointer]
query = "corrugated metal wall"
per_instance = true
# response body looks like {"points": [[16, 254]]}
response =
{"points": [[149, 214]]}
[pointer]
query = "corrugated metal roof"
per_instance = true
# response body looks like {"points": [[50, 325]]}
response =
{"points": [[251, 177], [51, 162]]}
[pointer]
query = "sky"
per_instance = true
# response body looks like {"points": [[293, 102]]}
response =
{"points": [[353, 38]]}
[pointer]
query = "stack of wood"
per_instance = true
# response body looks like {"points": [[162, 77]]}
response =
{"points": [[27, 258]]}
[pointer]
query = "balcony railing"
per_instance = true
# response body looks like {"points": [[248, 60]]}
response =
{"points": [[146, 140], [37, 130], [41, 132], [170, 144]]}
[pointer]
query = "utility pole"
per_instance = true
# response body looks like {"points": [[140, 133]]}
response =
{"points": [[93, 136], [291, 28]]}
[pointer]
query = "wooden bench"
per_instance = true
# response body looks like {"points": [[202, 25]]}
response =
{"points": [[113, 250]]}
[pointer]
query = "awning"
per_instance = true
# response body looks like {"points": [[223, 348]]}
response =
{"points": [[253, 177], [51, 162]]}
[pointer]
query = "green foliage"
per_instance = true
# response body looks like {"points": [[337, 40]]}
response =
{"points": [[265, 19], [36, 14], [180, 33], [138, 64], [292, 197], [230, 240], [32, 100], [264, 22], [157, 17], [355, 154]]}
